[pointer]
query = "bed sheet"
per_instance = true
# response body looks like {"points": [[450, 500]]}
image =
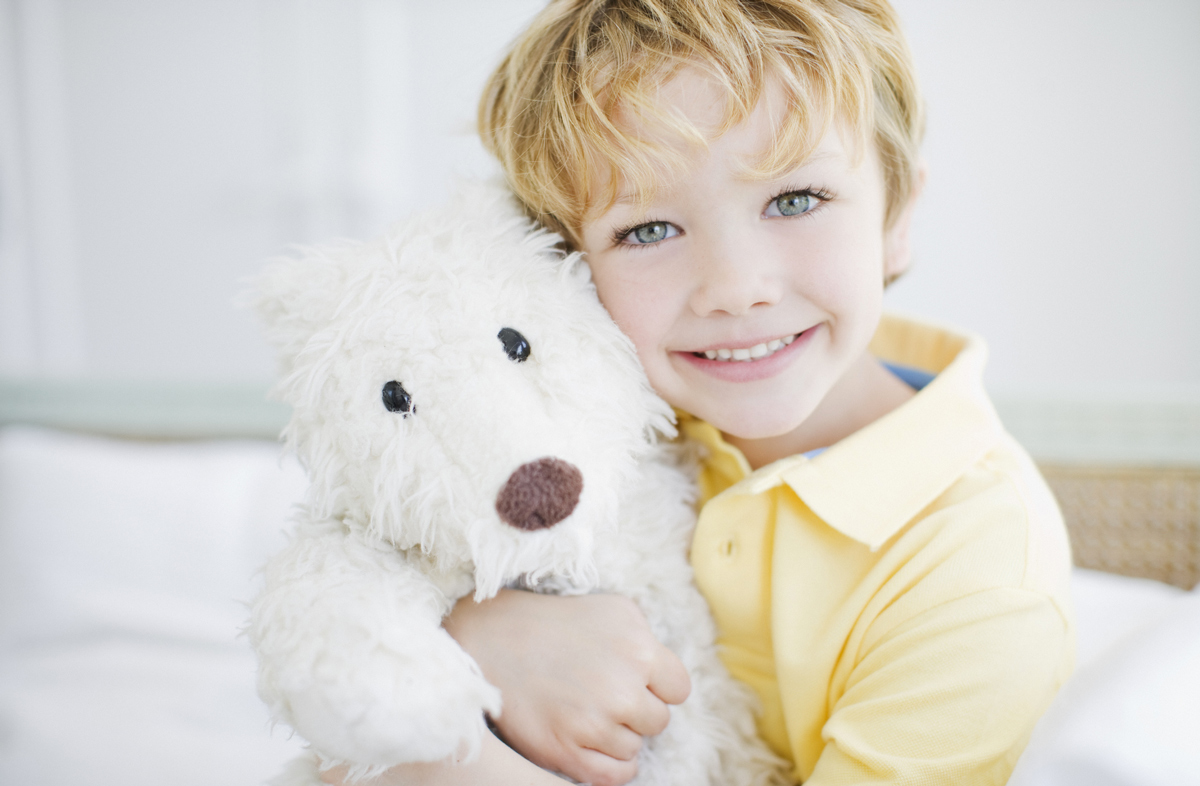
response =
{"points": [[125, 566]]}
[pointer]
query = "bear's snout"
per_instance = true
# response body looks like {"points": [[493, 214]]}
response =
{"points": [[539, 494]]}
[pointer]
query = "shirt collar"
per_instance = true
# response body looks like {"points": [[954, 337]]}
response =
{"points": [[873, 482]]}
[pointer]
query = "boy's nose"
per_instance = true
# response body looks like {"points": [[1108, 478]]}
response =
{"points": [[734, 278], [539, 494]]}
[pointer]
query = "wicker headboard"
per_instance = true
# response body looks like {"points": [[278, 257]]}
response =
{"points": [[1136, 521]]}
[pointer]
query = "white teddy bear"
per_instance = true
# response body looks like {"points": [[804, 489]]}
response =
{"points": [[470, 418]]}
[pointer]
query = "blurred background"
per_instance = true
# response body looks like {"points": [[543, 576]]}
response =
{"points": [[153, 155]]}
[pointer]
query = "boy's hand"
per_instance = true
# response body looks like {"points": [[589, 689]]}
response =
{"points": [[583, 679]]}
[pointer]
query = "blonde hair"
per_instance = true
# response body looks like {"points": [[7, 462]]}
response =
{"points": [[548, 112]]}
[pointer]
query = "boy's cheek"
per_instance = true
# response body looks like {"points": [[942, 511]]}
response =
{"points": [[637, 307]]}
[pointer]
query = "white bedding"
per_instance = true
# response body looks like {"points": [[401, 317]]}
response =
{"points": [[1130, 716], [123, 565]]}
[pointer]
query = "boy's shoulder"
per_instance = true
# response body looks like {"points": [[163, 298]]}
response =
{"points": [[941, 482], [996, 527], [989, 483]]}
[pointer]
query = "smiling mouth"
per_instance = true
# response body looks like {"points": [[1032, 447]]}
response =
{"points": [[747, 354]]}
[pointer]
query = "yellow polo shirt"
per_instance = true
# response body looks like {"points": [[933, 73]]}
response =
{"points": [[899, 602]]}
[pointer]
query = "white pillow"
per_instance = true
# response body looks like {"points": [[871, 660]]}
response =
{"points": [[101, 536], [123, 570]]}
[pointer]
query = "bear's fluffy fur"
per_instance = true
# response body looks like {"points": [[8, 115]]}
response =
{"points": [[401, 518]]}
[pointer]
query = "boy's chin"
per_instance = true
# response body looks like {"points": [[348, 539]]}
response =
{"points": [[757, 423]]}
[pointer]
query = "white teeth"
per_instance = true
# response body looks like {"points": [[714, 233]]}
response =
{"points": [[753, 353]]}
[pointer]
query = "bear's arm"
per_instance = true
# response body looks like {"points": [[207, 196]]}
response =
{"points": [[352, 654]]}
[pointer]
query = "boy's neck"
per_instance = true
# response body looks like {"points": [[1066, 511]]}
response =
{"points": [[865, 393]]}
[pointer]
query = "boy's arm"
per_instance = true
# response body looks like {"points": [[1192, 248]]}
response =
{"points": [[949, 696], [497, 765], [582, 678]]}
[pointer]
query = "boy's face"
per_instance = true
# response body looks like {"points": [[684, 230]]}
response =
{"points": [[788, 271]]}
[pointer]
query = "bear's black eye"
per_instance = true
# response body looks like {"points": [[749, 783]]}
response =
{"points": [[396, 398], [516, 346]]}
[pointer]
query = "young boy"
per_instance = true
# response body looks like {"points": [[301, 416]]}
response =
{"points": [[886, 567]]}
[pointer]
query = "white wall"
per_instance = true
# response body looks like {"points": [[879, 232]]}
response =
{"points": [[1061, 215], [152, 154]]}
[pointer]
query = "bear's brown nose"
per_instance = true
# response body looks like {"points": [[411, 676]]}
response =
{"points": [[539, 494]]}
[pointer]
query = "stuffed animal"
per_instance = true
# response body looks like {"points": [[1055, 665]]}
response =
{"points": [[470, 418]]}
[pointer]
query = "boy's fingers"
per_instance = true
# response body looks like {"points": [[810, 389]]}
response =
{"points": [[597, 769], [620, 743], [669, 680], [651, 717]]}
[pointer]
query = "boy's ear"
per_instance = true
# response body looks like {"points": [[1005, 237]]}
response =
{"points": [[897, 247]]}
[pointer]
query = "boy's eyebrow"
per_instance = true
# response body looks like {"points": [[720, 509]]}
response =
{"points": [[629, 198], [817, 157]]}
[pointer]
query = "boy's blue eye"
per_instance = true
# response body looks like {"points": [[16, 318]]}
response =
{"points": [[792, 204], [650, 233]]}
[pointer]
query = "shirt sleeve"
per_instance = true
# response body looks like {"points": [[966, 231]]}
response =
{"points": [[949, 696]]}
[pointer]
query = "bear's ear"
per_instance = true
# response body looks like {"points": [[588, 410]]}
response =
{"points": [[297, 296]]}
